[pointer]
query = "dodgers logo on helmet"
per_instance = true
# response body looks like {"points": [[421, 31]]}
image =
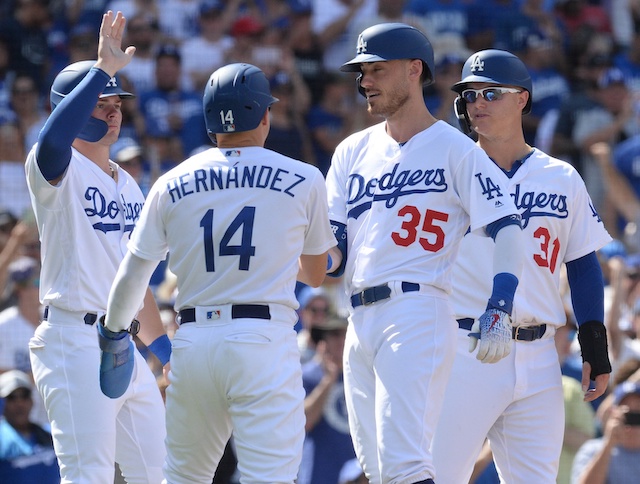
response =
{"points": [[496, 66], [392, 41]]}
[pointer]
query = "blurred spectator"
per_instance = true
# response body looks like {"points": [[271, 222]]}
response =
{"points": [[28, 107], [26, 449], [628, 61], [26, 34], [14, 194], [575, 14], [615, 457], [172, 113], [625, 17], [129, 154], [247, 32], [327, 445], [178, 19], [288, 134], [331, 20], [579, 424], [450, 54], [315, 308], [19, 321], [6, 79], [622, 318], [600, 113], [542, 58], [130, 8], [204, 53], [85, 12], [441, 16], [142, 32], [83, 44], [333, 118], [306, 46]]}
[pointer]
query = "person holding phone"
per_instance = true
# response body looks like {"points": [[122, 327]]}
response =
{"points": [[615, 457]]}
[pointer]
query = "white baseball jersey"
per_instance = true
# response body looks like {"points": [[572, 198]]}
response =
{"points": [[518, 401], [437, 185], [560, 224], [237, 191], [87, 226], [84, 223]]}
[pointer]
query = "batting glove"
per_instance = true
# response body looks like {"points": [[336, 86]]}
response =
{"points": [[493, 329], [116, 359]]}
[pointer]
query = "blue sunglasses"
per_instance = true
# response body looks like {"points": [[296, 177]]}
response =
{"points": [[489, 93]]}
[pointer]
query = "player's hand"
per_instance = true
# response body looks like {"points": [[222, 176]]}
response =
{"points": [[116, 360], [602, 382], [111, 57], [493, 329]]}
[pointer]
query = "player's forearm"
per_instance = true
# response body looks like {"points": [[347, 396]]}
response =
{"points": [[128, 291], [596, 471], [312, 269]]}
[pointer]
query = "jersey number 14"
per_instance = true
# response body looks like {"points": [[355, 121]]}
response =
{"points": [[244, 223]]}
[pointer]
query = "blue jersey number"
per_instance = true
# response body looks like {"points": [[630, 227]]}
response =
{"points": [[243, 221]]}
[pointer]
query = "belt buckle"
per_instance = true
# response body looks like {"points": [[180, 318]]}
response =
{"points": [[516, 333]]}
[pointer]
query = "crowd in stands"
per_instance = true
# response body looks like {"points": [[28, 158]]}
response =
{"points": [[584, 60]]}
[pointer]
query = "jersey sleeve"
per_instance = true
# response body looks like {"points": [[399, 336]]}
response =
{"points": [[319, 237], [587, 232], [148, 240]]}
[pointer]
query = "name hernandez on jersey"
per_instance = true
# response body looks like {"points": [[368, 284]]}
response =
{"points": [[560, 224], [408, 207]]}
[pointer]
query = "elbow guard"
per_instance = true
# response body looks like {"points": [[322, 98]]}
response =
{"points": [[340, 233]]}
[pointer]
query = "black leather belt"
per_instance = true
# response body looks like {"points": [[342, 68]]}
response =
{"points": [[519, 333], [378, 293], [89, 318], [238, 311]]}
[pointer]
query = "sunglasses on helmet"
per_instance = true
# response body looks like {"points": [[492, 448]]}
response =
{"points": [[489, 93]]}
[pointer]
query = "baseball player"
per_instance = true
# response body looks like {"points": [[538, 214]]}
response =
{"points": [[85, 208], [241, 224], [402, 194], [518, 402]]}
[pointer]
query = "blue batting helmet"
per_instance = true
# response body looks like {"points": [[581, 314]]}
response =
{"points": [[68, 78], [392, 41], [235, 98], [496, 67]]}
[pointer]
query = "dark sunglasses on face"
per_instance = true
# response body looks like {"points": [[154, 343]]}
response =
{"points": [[489, 93], [19, 395]]}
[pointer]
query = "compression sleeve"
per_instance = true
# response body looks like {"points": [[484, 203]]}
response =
{"points": [[494, 227], [587, 288], [66, 122]]}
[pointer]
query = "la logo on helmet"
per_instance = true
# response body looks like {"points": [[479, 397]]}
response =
{"points": [[362, 45], [477, 65], [112, 82]]}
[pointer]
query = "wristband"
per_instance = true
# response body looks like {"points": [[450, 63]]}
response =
{"points": [[592, 337], [329, 262], [504, 289], [161, 347]]}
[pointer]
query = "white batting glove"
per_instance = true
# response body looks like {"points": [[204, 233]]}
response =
{"points": [[493, 329]]}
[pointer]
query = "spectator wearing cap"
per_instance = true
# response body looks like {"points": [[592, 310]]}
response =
{"points": [[26, 448], [328, 445], [315, 308], [615, 457], [14, 194], [247, 31], [204, 53], [173, 115]]}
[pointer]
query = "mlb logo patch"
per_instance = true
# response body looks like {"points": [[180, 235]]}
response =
{"points": [[213, 315], [232, 153]]}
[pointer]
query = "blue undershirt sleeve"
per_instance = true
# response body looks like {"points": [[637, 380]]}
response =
{"points": [[587, 288], [66, 122]]}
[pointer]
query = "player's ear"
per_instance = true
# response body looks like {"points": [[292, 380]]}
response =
{"points": [[523, 98]]}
